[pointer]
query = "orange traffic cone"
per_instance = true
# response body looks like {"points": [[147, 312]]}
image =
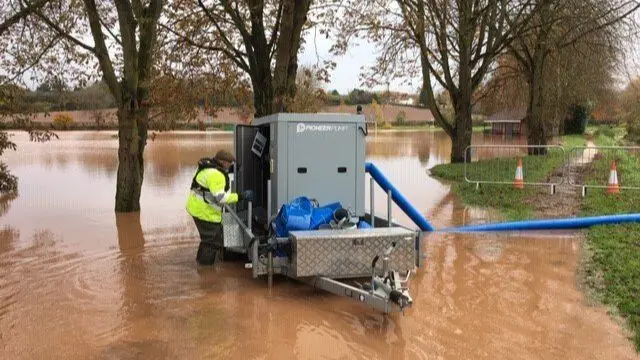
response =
{"points": [[518, 182], [613, 186]]}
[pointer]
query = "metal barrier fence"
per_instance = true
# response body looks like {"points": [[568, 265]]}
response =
{"points": [[603, 163], [501, 165]]}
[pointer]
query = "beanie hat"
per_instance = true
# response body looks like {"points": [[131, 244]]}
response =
{"points": [[224, 155]]}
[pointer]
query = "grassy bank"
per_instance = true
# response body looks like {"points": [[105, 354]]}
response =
{"points": [[613, 267], [510, 202]]}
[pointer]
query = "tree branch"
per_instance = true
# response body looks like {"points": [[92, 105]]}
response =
{"points": [[23, 13], [237, 54], [148, 35], [599, 27], [113, 36], [50, 45], [101, 51], [274, 31], [63, 33], [238, 60], [128, 26]]}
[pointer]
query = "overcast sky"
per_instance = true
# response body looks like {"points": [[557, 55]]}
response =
{"points": [[345, 77]]}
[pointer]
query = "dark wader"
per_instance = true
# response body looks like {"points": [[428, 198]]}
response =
{"points": [[211, 241]]}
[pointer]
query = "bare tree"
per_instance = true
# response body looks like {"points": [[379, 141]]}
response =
{"points": [[261, 38], [574, 75], [455, 43], [556, 25]]}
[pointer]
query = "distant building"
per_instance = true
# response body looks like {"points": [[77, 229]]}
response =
{"points": [[507, 122]]}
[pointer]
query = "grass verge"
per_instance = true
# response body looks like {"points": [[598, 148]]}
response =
{"points": [[510, 202], [612, 269]]}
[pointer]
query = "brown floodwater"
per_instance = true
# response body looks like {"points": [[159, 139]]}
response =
{"points": [[78, 281]]}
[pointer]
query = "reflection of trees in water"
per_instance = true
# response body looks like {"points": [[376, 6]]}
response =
{"points": [[105, 161], [8, 237], [92, 160], [62, 159], [163, 163], [5, 202], [402, 144], [167, 160], [133, 270], [426, 145]]}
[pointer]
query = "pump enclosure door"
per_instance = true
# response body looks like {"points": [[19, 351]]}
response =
{"points": [[322, 161], [252, 159]]}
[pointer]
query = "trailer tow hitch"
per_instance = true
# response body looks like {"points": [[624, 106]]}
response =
{"points": [[389, 284]]}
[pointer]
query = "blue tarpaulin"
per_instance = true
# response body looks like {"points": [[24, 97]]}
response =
{"points": [[300, 214]]}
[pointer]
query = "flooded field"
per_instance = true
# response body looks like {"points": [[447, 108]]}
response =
{"points": [[78, 281]]}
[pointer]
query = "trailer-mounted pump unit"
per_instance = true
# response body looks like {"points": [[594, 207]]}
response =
{"points": [[289, 158]]}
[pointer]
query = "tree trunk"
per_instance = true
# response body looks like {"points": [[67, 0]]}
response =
{"points": [[263, 98], [462, 97], [536, 126], [463, 131], [537, 131], [294, 16], [132, 138]]}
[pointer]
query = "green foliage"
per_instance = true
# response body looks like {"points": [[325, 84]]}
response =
{"points": [[359, 96], [63, 121], [605, 131], [401, 118], [8, 182], [386, 125], [616, 260], [630, 106], [5, 143], [615, 248], [576, 120], [633, 132]]}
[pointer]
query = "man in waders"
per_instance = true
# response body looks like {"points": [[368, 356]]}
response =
{"points": [[209, 192]]}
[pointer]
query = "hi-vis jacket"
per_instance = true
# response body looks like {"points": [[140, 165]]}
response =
{"points": [[207, 205]]}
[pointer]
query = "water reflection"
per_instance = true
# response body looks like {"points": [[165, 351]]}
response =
{"points": [[8, 236], [5, 202], [137, 310]]}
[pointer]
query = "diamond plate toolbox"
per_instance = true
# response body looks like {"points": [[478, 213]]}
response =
{"points": [[349, 253]]}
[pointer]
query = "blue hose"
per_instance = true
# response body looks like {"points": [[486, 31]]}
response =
{"points": [[550, 224], [398, 198]]}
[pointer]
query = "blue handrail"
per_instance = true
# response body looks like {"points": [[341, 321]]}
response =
{"points": [[398, 198]]}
